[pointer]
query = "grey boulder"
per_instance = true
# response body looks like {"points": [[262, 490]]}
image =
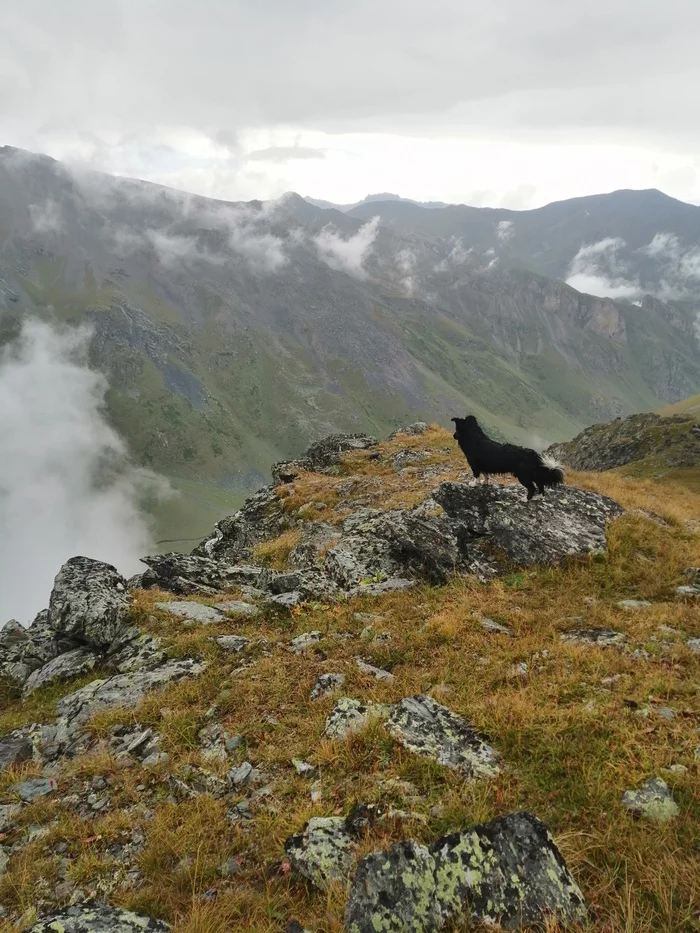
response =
{"points": [[322, 851], [14, 749], [426, 728], [653, 801], [89, 602], [506, 873], [125, 690], [97, 918], [64, 667]]}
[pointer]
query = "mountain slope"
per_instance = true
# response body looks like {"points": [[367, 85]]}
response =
{"points": [[235, 334]]}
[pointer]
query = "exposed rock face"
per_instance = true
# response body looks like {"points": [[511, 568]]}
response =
{"points": [[675, 440], [23, 650], [89, 602], [349, 716], [14, 749], [192, 612], [321, 456], [262, 516], [601, 637], [653, 801], [507, 872], [429, 729], [122, 690], [64, 667], [190, 574], [98, 919], [322, 851]]}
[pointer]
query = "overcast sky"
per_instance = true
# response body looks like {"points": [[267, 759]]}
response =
{"points": [[512, 102]]}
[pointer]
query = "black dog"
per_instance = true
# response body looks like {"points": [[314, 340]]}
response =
{"points": [[533, 470]]}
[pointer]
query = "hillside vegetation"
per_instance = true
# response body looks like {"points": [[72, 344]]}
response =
{"points": [[576, 723]]}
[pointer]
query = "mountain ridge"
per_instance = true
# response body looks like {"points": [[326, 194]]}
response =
{"points": [[233, 334]]}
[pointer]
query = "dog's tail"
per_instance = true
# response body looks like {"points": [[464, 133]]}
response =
{"points": [[549, 472]]}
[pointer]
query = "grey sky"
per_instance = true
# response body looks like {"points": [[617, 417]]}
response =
{"points": [[185, 91]]}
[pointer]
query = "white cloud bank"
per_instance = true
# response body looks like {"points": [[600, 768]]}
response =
{"points": [[347, 255], [606, 269], [67, 486]]}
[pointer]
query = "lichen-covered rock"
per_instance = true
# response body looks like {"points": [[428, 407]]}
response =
{"points": [[237, 609], [96, 918], [653, 801], [325, 684], [494, 628], [600, 637], [14, 749], [322, 851], [23, 650], [235, 643], [64, 667], [394, 892], [193, 574], [34, 788], [569, 522], [693, 644], [377, 672], [349, 716], [89, 602], [261, 517], [122, 690], [8, 814], [305, 641], [506, 873], [192, 612], [425, 727]]}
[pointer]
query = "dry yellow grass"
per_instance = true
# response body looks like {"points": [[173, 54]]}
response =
{"points": [[570, 732]]}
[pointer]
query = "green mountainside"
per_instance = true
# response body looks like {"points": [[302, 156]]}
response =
{"points": [[233, 335]]}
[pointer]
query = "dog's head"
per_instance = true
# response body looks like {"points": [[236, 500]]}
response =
{"points": [[462, 425]]}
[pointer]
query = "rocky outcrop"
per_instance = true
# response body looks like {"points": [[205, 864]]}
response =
{"points": [[653, 801], [89, 602], [23, 650], [322, 456], [506, 873], [98, 918], [122, 690], [464, 527], [322, 851], [672, 441]]}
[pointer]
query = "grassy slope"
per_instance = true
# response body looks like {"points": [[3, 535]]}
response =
{"points": [[570, 737], [689, 406]]}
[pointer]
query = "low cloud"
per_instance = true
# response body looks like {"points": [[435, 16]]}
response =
{"points": [[599, 269], [457, 255], [607, 269], [347, 255], [505, 230], [46, 217], [406, 262], [67, 486]]}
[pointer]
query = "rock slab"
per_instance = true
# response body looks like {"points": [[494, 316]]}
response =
{"points": [[507, 872], [98, 919], [89, 602]]}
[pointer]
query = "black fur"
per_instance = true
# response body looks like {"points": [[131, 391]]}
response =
{"points": [[485, 456]]}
